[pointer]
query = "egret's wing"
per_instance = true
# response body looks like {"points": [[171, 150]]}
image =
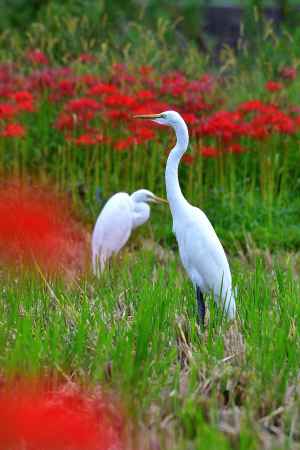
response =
{"points": [[113, 227], [202, 253]]}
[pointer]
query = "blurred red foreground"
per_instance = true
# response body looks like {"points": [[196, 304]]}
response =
{"points": [[37, 227], [36, 418]]}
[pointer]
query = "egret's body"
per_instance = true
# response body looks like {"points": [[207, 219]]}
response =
{"points": [[200, 250], [121, 214]]}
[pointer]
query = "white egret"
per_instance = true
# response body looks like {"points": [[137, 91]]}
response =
{"points": [[121, 214], [201, 252]]}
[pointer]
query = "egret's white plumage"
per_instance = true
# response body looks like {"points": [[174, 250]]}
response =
{"points": [[201, 252], [119, 216]]}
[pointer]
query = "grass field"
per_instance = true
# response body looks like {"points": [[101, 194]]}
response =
{"points": [[235, 385], [68, 141]]}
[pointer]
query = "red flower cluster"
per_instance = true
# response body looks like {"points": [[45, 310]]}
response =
{"points": [[34, 417], [95, 110], [18, 102], [288, 73], [274, 86], [36, 228], [37, 57]]}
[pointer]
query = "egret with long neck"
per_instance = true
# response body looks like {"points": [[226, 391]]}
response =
{"points": [[200, 250]]}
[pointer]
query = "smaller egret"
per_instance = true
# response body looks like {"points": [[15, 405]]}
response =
{"points": [[121, 214]]}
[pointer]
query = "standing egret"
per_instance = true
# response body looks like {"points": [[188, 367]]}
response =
{"points": [[121, 214], [201, 252]]}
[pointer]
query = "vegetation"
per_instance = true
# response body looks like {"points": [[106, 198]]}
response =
{"points": [[68, 94], [134, 331]]}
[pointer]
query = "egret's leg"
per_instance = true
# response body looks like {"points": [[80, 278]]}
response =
{"points": [[201, 306]]}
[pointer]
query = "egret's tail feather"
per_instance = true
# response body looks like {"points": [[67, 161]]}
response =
{"points": [[98, 260], [229, 303]]}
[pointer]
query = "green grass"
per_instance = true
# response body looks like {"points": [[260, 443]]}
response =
{"points": [[221, 389]]}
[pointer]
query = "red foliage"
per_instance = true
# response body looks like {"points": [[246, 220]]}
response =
{"points": [[34, 417], [36, 227]]}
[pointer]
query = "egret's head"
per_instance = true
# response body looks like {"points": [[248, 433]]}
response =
{"points": [[145, 196], [170, 118]]}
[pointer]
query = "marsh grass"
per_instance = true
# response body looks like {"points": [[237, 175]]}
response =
{"points": [[134, 331]]}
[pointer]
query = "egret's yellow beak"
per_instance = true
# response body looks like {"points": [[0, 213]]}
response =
{"points": [[147, 116], [159, 200]]}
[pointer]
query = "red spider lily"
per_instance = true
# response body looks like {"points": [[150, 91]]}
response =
{"points": [[103, 88], [89, 139], [24, 101], [272, 121], [174, 83], [252, 105], [236, 148], [297, 122], [37, 57], [66, 418], [145, 134], [86, 58], [67, 87], [121, 76], [119, 100], [13, 130], [196, 104], [117, 115], [288, 73], [273, 86], [209, 152], [224, 124], [205, 85], [85, 139], [190, 118], [141, 132], [188, 160], [84, 108], [145, 96], [81, 105], [145, 71], [66, 121], [149, 107], [125, 143], [22, 97], [46, 79], [89, 80], [37, 227], [7, 111]]}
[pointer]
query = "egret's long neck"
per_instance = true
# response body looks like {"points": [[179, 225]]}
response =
{"points": [[174, 194]]}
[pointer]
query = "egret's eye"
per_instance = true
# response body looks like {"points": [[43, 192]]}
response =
{"points": [[164, 116]]}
